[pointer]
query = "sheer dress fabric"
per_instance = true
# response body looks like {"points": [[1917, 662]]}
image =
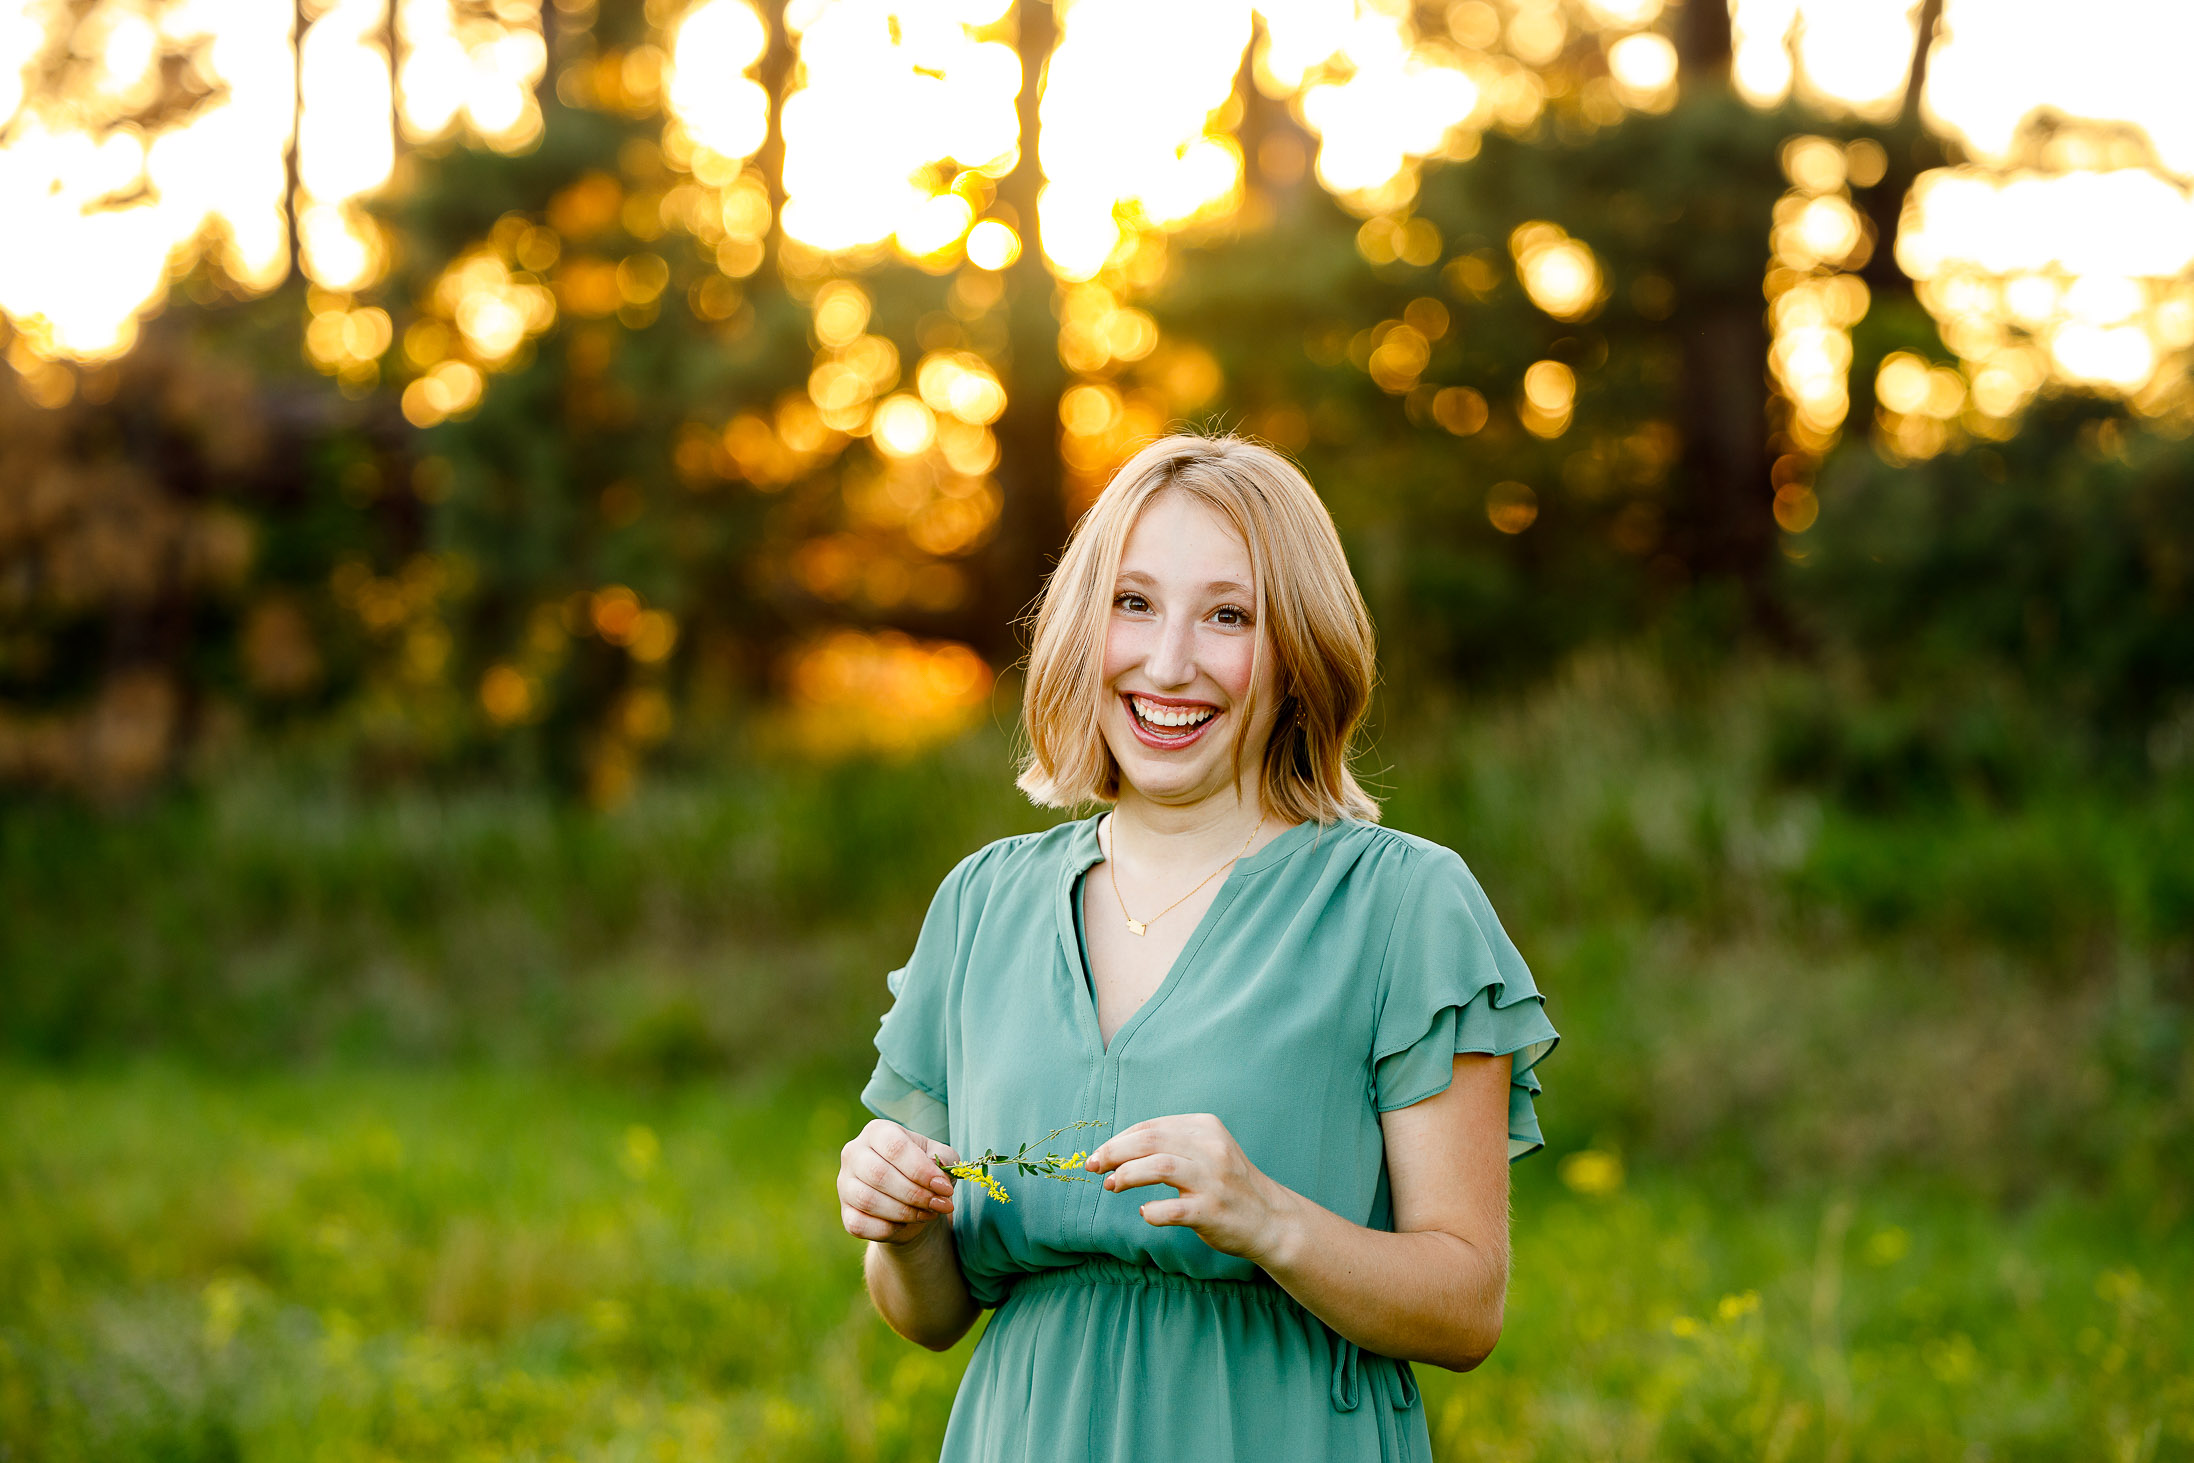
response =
{"points": [[1334, 977]]}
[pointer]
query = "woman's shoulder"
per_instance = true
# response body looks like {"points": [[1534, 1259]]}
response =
{"points": [[1015, 859], [1379, 852]]}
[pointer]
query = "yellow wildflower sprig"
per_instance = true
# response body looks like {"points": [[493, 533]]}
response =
{"points": [[1025, 1159]]}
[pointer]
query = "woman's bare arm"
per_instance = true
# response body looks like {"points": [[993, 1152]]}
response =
{"points": [[1433, 1290], [891, 1193]]}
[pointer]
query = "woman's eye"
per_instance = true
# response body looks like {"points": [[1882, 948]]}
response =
{"points": [[1131, 602], [1231, 615]]}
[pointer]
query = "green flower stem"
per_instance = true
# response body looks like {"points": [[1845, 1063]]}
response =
{"points": [[1022, 1160]]}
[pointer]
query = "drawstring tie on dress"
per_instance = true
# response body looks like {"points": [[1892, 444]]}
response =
{"points": [[1392, 1379]]}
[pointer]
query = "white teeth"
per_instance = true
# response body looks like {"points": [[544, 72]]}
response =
{"points": [[1179, 716]]}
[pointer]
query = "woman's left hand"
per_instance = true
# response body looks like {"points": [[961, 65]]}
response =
{"points": [[1224, 1197]]}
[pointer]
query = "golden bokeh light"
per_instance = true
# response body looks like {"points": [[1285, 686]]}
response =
{"points": [[346, 144], [1814, 299], [1377, 98], [903, 426], [1643, 66], [2064, 253], [1919, 406], [848, 378], [103, 212], [841, 313], [709, 89], [1548, 401], [495, 311], [962, 384], [1560, 274], [1089, 410], [1130, 136], [1460, 410], [1623, 13], [2106, 60], [471, 63], [931, 228], [101, 208], [2093, 269], [450, 389], [857, 692], [940, 71], [1096, 330], [1399, 354], [1847, 56], [1511, 507], [993, 245]]}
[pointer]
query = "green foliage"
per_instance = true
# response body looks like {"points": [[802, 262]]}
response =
{"points": [[1676, 210], [1771, 974], [439, 1265], [272, 916], [2063, 558]]}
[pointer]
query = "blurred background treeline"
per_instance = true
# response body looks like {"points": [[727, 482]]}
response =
{"points": [[514, 521]]}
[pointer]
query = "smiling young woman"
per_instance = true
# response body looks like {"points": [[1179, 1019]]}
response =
{"points": [[1307, 1036]]}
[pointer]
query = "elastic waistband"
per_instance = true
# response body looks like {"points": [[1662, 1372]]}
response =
{"points": [[1106, 1270], [1353, 1371]]}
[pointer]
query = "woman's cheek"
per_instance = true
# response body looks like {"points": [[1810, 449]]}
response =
{"points": [[1122, 650], [1232, 664]]}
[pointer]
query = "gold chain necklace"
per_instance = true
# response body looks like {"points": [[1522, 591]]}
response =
{"points": [[1142, 926]]}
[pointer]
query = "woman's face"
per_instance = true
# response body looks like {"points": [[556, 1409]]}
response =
{"points": [[1181, 655]]}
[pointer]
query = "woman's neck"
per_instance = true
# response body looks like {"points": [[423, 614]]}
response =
{"points": [[1161, 836]]}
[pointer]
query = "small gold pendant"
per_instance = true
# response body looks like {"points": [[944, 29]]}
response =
{"points": [[1137, 927]]}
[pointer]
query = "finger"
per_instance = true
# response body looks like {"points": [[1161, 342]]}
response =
{"points": [[1166, 1212], [867, 1227], [872, 1170], [944, 1151], [852, 1192], [863, 1226], [1159, 1168], [910, 1155], [1129, 1134], [902, 1148], [1142, 1139]]}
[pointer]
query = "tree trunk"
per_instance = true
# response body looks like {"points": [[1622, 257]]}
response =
{"points": [[775, 78], [1911, 150], [1032, 526], [1725, 527]]}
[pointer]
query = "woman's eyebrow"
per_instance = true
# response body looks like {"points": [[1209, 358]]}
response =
{"points": [[1217, 586]]}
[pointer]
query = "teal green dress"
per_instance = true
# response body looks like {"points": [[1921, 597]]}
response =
{"points": [[1335, 976]]}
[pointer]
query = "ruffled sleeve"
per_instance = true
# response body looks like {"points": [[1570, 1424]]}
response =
{"points": [[908, 1085], [1452, 982]]}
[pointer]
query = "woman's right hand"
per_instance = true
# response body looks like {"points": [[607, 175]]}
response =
{"points": [[889, 1186]]}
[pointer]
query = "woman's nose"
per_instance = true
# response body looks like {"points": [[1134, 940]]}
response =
{"points": [[1173, 658]]}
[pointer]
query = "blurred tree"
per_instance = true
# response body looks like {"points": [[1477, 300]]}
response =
{"points": [[607, 452], [1033, 523], [1542, 411], [2062, 558], [1721, 524]]}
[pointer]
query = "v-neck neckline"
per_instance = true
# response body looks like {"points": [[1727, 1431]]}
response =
{"points": [[1088, 852]]}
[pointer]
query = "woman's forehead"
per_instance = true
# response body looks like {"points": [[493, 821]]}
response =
{"points": [[1178, 536]]}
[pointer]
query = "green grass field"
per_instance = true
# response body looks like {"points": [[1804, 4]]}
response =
{"points": [[414, 1124], [478, 1265]]}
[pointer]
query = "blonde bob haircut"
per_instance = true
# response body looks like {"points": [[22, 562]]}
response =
{"points": [[1310, 618]]}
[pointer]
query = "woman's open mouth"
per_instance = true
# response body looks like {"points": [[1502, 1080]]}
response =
{"points": [[1165, 723]]}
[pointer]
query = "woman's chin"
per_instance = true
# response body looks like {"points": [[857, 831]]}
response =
{"points": [[1158, 780]]}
